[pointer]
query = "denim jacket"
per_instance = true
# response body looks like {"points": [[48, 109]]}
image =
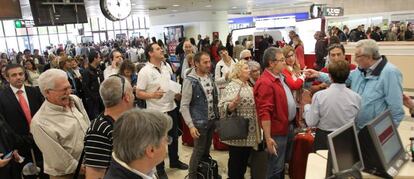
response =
{"points": [[194, 106]]}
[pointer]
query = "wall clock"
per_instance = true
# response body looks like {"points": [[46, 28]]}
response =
{"points": [[116, 10]]}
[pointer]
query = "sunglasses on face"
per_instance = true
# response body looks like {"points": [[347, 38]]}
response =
{"points": [[247, 58]]}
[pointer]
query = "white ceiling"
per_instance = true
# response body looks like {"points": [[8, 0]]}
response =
{"points": [[162, 7]]}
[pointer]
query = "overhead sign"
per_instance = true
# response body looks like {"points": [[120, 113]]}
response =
{"points": [[23, 23], [275, 22], [333, 11]]}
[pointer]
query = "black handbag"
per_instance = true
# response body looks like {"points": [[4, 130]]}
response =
{"points": [[233, 127]]}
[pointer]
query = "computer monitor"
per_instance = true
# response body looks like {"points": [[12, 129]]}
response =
{"points": [[344, 149], [381, 147]]}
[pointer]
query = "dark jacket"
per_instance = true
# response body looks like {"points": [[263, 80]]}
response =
{"points": [[116, 171], [91, 79]]}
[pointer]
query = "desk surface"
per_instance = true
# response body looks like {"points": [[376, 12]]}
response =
{"points": [[316, 165]]}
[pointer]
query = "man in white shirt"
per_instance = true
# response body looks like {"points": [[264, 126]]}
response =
{"points": [[116, 60], [333, 107], [153, 86], [133, 54], [59, 126]]}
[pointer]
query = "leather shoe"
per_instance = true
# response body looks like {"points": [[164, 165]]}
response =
{"points": [[162, 175], [180, 165]]}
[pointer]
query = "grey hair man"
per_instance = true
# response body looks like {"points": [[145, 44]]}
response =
{"points": [[246, 55], [275, 112], [59, 126], [138, 159], [117, 95], [378, 82]]}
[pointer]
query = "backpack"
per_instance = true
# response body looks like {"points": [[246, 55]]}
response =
{"points": [[208, 169]]}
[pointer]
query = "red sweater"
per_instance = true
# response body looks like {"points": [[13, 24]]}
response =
{"points": [[300, 56], [293, 85], [271, 103]]}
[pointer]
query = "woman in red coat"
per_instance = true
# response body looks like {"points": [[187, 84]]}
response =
{"points": [[293, 78], [299, 51]]}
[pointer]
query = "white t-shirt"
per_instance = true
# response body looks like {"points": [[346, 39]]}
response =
{"points": [[133, 55], [150, 79], [109, 70]]}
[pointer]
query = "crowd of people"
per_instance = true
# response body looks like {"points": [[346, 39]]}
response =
{"points": [[75, 110]]}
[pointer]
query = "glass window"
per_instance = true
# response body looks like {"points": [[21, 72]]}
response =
{"points": [[32, 31], [141, 22], [88, 33], [21, 31], [123, 24], [34, 42], [42, 30], [109, 24], [9, 29], [111, 35], [54, 39], [23, 43], [102, 36], [102, 23], [61, 29], [1, 32], [147, 22], [116, 25], [12, 43], [44, 41], [3, 48], [62, 38], [52, 29], [129, 22], [87, 26], [96, 38], [72, 38], [94, 22], [70, 28], [135, 21]]}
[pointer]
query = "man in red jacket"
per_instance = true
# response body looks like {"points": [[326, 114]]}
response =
{"points": [[276, 109]]}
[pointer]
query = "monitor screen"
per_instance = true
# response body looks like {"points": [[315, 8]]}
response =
{"points": [[344, 148], [388, 140], [10, 9]]}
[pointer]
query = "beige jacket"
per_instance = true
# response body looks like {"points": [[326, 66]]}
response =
{"points": [[59, 134]]}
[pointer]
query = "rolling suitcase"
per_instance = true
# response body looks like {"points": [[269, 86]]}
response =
{"points": [[302, 146], [218, 145], [186, 137]]}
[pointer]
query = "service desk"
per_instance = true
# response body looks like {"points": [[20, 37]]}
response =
{"points": [[316, 166]]}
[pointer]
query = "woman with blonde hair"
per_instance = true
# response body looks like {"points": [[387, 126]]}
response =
{"points": [[299, 51], [294, 79], [238, 99]]}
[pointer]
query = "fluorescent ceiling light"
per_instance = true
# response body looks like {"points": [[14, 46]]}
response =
{"points": [[175, 5]]}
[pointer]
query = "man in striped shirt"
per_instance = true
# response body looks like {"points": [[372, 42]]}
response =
{"points": [[117, 96]]}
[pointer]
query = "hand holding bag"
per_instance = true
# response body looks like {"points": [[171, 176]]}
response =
{"points": [[233, 127]]}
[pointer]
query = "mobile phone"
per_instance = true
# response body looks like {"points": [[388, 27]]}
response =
{"points": [[7, 156]]}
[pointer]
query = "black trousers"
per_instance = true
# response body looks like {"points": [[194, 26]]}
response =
{"points": [[238, 159], [173, 133]]}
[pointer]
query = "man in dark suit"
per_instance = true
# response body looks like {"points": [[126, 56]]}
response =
{"points": [[18, 104]]}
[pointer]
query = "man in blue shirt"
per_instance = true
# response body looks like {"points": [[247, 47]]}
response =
{"points": [[377, 81]]}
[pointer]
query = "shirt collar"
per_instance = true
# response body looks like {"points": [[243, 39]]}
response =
{"points": [[338, 85], [59, 108], [372, 67], [14, 89], [150, 175], [276, 76]]}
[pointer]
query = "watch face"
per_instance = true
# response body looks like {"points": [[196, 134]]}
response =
{"points": [[116, 9]]}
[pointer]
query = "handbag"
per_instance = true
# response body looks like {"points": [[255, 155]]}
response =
{"points": [[233, 127]]}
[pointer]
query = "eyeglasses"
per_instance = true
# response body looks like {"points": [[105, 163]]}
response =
{"points": [[169, 140], [280, 60], [122, 81], [247, 58], [289, 56], [62, 90]]}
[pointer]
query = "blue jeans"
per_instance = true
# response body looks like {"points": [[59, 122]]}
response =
{"points": [[276, 163]]}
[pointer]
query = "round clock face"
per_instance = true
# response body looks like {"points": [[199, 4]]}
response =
{"points": [[116, 9]]}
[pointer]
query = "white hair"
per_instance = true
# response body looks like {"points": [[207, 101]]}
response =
{"points": [[244, 53], [47, 79], [369, 47]]}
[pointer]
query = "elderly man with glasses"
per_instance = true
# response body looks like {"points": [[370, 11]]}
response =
{"points": [[377, 81], [59, 126]]}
